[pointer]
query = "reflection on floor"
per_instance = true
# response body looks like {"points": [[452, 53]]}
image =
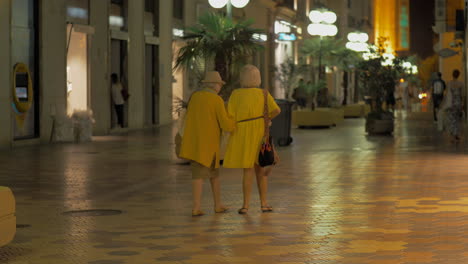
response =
{"points": [[339, 196]]}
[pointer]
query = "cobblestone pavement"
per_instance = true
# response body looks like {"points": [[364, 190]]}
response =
{"points": [[339, 197]]}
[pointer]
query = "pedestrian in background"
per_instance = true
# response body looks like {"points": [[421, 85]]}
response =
{"points": [[390, 98], [452, 107], [300, 94], [437, 89], [206, 117], [246, 105], [117, 98]]}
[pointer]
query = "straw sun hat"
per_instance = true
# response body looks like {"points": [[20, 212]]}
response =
{"points": [[213, 77]]}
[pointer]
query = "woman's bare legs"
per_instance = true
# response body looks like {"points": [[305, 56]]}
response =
{"points": [[262, 183], [216, 190], [247, 187], [197, 187]]}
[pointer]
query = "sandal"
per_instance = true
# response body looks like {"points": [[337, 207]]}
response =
{"points": [[266, 209], [221, 210], [243, 210], [197, 213]]}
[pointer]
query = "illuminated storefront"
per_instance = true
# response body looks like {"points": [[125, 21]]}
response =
{"points": [[77, 56], [391, 19], [284, 50]]}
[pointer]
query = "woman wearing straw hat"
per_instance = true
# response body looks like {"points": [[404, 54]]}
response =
{"points": [[206, 117], [246, 105]]}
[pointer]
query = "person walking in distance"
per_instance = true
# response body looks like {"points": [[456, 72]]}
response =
{"points": [[438, 88], [451, 110], [117, 99]]}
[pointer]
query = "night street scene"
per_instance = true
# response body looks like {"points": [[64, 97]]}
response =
{"points": [[233, 132]]}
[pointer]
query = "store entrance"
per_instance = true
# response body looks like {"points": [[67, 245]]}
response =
{"points": [[119, 67], [77, 71]]}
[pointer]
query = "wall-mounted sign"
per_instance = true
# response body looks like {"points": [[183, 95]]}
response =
{"points": [[282, 27], [260, 37], [116, 21], [287, 37], [177, 32], [404, 25]]}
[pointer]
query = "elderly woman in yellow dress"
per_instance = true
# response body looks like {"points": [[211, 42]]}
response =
{"points": [[246, 105], [206, 117]]}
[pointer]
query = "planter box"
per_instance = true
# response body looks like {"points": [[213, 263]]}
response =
{"points": [[321, 117], [379, 126], [7, 216], [338, 114], [356, 110]]}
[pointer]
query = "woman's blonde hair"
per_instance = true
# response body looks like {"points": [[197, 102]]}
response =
{"points": [[250, 77]]}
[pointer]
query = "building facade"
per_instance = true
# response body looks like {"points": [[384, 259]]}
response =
{"points": [[70, 49], [450, 38]]}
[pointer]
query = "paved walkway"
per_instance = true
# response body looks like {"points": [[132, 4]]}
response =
{"points": [[339, 197]]}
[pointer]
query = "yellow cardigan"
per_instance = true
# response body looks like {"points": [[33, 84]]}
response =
{"points": [[206, 116]]}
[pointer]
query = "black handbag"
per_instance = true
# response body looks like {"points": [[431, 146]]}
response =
{"points": [[267, 155]]}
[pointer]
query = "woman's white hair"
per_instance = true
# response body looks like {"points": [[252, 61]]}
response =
{"points": [[250, 77]]}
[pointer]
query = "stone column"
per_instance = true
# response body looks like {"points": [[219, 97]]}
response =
{"points": [[53, 63], [136, 63], [5, 75], [165, 61], [99, 74]]}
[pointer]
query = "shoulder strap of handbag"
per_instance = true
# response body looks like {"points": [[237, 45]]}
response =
{"points": [[266, 116]]}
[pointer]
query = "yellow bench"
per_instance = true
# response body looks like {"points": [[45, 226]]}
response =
{"points": [[320, 117], [356, 110], [7, 216]]}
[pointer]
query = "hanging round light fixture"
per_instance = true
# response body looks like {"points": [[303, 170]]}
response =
{"points": [[218, 3], [239, 3], [329, 17]]}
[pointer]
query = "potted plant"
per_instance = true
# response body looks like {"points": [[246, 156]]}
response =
{"points": [[218, 40], [330, 52], [288, 74], [378, 76]]}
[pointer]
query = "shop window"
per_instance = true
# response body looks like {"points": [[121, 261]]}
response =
{"points": [[178, 9], [118, 15], [78, 11], [152, 17]]}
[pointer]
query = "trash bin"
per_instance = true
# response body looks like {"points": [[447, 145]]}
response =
{"points": [[281, 126], [62, 129], [83, 125]]}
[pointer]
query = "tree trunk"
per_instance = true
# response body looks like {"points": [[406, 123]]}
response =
{"points": [[221, 66], [345, 88]]}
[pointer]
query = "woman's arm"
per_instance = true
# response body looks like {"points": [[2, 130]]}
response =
{"points": [[274, 109], [226, 122], [275, 113]]}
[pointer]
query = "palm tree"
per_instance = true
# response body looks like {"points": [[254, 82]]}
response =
{"points": [[331, 52], [218, 38]]}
